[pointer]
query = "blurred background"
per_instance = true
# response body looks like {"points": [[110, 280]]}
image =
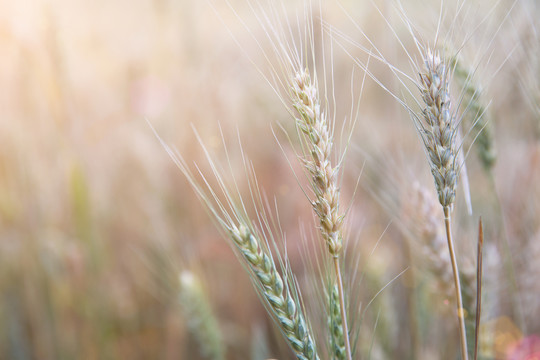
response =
{"points": [[97, 225]]}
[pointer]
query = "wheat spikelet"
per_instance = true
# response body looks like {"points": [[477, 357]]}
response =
{"points": [[439, 131], [276, 292], [313, 123], [200, 318], [475, 114]]}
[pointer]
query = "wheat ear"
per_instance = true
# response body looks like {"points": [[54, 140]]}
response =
{"points": [[253, 252], [200, 318], [313, 124], [475, 114], [423, 219], [337, 340], [439, 133], [276, 292]]}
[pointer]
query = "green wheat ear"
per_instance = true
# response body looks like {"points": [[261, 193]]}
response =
{"points": [[278, 293], [475, 115], [337, 340], [280, 302], [200, 318]]}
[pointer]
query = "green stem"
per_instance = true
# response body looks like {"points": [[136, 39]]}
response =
{"points": [[342, 307], [457, 285]]}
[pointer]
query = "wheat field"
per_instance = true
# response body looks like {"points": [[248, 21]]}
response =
{"points": [[250, 179]]}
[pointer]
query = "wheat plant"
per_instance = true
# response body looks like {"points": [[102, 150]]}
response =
{"points": [[323, 248]]}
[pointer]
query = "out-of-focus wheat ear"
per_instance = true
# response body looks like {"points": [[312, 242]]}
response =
{"points": [[475, 114], [337, 341], [528, 285], [276, 292], [536, 102], [429, 246], [260, 348], [537, 113], [200, 318]]}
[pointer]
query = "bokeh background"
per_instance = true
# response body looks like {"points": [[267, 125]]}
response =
{"points": [[97, 223]]}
